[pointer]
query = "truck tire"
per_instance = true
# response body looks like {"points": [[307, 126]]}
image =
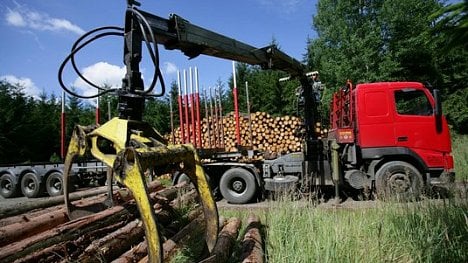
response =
{"points": [[398, 180], [31, 186], [238, 186], [8, 186], [54, 184], [180, 177]]}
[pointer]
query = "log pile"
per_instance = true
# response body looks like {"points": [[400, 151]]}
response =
{"points": [[261, 132], [117, 234]]}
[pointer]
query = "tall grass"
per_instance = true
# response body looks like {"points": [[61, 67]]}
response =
{"points": [[460, 155], [412, 232]]}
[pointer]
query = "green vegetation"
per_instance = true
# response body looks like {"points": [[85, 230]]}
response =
{"points": [[460, 156], [390, 232]]}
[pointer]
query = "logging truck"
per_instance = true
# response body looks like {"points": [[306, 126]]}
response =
{"points": [[37, 179], [386, 139]]}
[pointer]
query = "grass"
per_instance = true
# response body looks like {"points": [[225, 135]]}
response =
{"points": [[460, 155], [410, 232]]}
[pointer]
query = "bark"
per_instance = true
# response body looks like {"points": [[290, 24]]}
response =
{"points": [[72, 232], [29, 226], [68, 232], [226, 240], [113, 245], [170, 247], [252, 244], [29, 205]]}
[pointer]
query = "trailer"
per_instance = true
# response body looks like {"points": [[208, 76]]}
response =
{"points": [[39, 179]]}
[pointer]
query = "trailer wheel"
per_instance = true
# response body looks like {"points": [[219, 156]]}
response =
{"points": [[238, 186], [8, 186], [54, 184], [182, 177], [31, 185], [399, 180]]}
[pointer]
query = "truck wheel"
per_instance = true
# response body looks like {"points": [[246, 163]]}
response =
{"points": [[238, 186], [398, 180], [54, 184], [8, 187], [182, 177], [31, 185]]}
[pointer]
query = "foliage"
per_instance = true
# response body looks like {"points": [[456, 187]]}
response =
{"points": [[453, 19]]}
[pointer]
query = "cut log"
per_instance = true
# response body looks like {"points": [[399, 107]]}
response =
{"points": [[29, 205], [252, 244], [115, 244], [68, 231], [139, 251], [226, 239], [187, 234], [73, 230]]}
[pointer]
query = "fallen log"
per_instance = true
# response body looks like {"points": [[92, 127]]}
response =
{"points": [[252, 244]]}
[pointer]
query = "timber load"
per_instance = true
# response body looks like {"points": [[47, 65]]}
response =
{"points": [[116, 234], [260, 131]]}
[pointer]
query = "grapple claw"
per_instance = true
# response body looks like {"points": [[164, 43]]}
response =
{"points": [[78, 147], [198, 177], [129, 172]]}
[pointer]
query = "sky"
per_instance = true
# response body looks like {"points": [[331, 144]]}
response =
{"points": [[37, 35]]}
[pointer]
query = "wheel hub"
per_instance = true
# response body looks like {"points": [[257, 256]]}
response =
{"points": [[57, 184], [31, 185], [7, 185], [399, 182], [237, 186]]}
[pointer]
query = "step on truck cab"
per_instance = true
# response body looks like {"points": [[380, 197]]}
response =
{"points": [[391, 135]]}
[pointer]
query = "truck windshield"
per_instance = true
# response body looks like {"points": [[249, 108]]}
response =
{"points": [[412, 102]]}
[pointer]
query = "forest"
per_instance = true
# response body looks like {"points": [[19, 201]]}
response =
{"points": [[363, 41]]}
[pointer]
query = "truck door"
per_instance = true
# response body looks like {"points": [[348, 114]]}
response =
{"points": [[415, 125]]}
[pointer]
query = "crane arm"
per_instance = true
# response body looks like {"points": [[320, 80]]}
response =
{"points": [[178, 33]]}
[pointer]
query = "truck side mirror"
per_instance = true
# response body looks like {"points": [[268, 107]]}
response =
{"points": [[438, 110], [438, 103]]}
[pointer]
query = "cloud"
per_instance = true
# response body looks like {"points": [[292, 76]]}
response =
{"points": [[30, 19], [101, 74], [28, 86], [284, 7], [170, 68]]}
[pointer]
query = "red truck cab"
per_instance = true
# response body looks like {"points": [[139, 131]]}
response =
{"points": [[393, 134]]}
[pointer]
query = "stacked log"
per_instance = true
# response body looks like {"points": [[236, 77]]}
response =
{"points": [[115, 234], [259, 131]]}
